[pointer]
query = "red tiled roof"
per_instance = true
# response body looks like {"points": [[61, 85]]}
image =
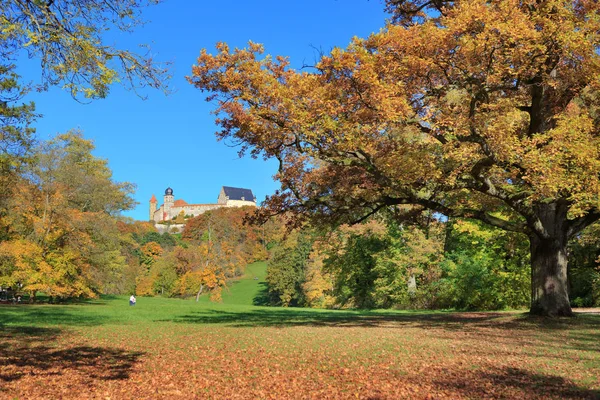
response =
{"points": [[179, 203], [153, 199]]}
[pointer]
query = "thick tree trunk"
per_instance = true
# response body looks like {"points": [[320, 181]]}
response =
{"points": [[549, 286]]}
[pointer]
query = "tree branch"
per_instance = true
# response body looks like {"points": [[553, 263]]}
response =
{"points": [[577, 225]]}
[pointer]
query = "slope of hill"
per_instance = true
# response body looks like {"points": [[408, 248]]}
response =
{"points": [[250, 289]]}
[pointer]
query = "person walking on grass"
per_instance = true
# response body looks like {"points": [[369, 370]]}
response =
{"points": [[132, 300]]}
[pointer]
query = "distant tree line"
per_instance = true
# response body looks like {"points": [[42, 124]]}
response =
{"points": [[438, 264], [61, 234]]}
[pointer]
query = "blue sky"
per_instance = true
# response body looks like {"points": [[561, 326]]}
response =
{"points": [[169, 140]]}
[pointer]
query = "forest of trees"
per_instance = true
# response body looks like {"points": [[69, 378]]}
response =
{"points": [[62, 235], [455, 264]]}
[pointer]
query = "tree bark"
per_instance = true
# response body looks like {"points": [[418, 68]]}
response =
{"points": [[549, 284], [199, 293], [412, 285]]}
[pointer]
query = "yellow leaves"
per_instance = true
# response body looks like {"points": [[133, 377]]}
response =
{"points": [[151, 251], [23, 255], [318, 284], [209, 278], [566, 159], [144, 285], [503, 128], [33, 39], [450, 108], [473, 229], [456, 97], [57, 273], [62, 238], [69, 43]]}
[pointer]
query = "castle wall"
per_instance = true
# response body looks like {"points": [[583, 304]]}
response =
{"points": [[158, 214], [172, 228], [168, 210], [240, 203], [168, 214], [194, 209], [222, 199]]}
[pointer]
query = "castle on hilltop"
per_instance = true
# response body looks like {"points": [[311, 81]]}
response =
{"points": [[171, 208]]}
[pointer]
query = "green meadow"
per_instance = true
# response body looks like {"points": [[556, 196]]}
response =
{"points": [[174, 348]]}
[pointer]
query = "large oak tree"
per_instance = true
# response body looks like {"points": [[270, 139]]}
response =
{"points": [[471, 108]]}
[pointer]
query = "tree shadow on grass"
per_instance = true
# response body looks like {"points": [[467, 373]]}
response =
{"points": [[485, 329], [508, 382], [53, 315], [262, 297], [27, 344], [29, 351], [583, 330], [276, 316]]}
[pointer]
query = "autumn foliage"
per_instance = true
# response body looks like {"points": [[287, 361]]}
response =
{"points": [[61, 236], [244, 352], [470, 108], [213, 249]]}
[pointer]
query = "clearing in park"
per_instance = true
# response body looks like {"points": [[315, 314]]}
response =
{"points": [[172, 348]]}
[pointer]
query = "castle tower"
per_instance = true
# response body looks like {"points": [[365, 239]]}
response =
{"points": [[169, 199], [152, 207]]}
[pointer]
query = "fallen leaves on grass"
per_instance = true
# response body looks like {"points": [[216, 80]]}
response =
{"points": [[475, 355]]}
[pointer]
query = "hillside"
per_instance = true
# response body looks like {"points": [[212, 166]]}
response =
{"points": [[250, 289]]}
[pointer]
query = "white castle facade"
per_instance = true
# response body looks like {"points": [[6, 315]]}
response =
{"points": [[171, 208]]}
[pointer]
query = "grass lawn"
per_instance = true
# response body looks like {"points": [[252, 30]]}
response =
{"points": [[251, 289], [171, 348]]}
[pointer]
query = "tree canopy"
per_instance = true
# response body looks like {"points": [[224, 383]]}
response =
{"points": [[477, 109], [69, 39], [60, 234]]}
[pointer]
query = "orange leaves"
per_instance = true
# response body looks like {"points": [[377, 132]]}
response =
{"points": [[481, 106], [138, 227], [217, 247], [151, 251], [61, 214], [24, 258], [206, 278], [257, 353], [227, 233], [566, 159]]}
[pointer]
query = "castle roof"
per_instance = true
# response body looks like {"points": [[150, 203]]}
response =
{"points": [[153, 199], [238, 193], [179, 203]]}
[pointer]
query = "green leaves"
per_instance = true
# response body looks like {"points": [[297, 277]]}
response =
{"points": [[61, 235]]}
